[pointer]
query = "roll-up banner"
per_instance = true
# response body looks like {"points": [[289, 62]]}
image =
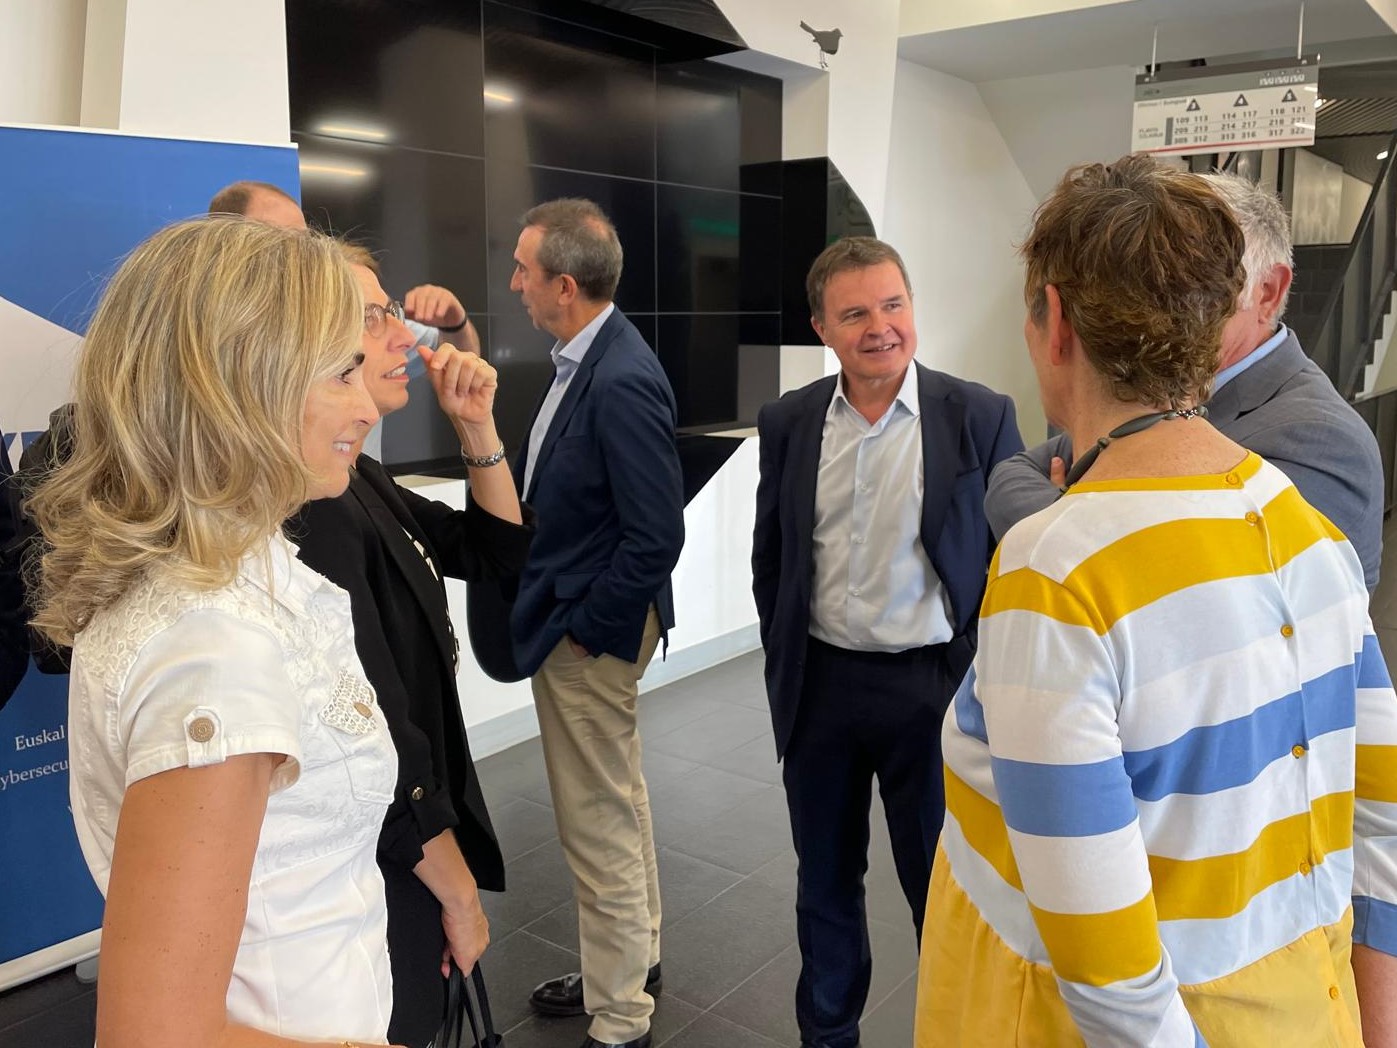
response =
{"points": [[73, 203]]}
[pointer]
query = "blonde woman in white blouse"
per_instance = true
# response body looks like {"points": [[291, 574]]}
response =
{"points": [[229, 766]]}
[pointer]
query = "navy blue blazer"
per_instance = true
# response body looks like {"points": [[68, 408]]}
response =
{"points": [[966, 431], [610, 502]]}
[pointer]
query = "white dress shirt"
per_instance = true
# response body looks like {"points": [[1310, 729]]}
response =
{"points": [[168, 677], [566, 360], [874, 587]]}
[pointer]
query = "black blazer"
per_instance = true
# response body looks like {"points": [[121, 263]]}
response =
{"points": [[49, 450], [966, 430], [14, 633], [405, 640]]}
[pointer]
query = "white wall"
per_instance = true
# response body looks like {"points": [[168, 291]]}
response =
{"points": [[1387, 11], [41, 53], [185, 68], [933, 16], [858, 117], [102, 62], [957, 206], [199, 69], [1054, 121]]}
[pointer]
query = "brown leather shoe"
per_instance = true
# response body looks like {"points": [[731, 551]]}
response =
{"points": [[563, 996]]}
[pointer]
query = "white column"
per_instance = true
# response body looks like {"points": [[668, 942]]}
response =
{"points": [[41, 54], [188, 68]]}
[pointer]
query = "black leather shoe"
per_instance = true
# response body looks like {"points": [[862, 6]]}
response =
{"points": [[643, 1041], [563, 995]]}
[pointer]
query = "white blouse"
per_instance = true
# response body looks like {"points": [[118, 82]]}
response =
{"points": [[168, 678]]}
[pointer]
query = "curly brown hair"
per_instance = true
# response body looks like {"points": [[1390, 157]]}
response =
{"points": [[1147, 261]]}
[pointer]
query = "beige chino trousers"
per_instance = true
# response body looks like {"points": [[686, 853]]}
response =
{"points": [[591, 747]]}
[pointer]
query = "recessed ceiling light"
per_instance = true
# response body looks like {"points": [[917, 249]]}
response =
{"points": [[364, 132], [1382, 155], [334, 170], [499, 95]]}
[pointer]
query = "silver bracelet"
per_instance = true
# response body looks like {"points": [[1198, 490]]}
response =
{"points": [[482, 463]]}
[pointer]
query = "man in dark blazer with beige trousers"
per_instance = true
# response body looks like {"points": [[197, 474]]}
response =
{"points": [[601, 465], [869, 559]]}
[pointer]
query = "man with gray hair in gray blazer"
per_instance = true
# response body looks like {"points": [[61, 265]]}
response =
{"points": [[1268, 396]]}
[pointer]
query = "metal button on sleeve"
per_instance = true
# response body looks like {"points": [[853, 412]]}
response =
{"points": [[418, 793], [201, 729]]}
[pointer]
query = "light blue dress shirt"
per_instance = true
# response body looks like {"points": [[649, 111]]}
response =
{"points": [[874, 586], [566, 360], [1226, 375]]}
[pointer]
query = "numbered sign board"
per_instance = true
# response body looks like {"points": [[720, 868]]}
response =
{"points": [[1258, 105]]}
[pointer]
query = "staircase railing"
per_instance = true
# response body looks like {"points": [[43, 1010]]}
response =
{"points": [[1351, 319], [1379, 410]]}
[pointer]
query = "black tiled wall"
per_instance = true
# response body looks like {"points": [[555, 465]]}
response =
{"points": [[486, 108]]}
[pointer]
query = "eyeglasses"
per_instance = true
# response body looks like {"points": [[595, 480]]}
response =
{"points": [[376, 316]]}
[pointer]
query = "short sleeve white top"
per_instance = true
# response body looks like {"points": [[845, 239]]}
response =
{"points": [[167, 678]]}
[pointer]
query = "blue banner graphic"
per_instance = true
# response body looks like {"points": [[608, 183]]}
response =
{"points": [[72, 205]]}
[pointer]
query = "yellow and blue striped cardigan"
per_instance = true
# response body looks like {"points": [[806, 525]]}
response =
{"points": [[1171, 779]]}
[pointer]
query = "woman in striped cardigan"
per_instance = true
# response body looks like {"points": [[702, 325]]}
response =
{"points": [[1171, 776]]}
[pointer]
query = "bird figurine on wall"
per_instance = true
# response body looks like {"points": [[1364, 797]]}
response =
{"points": [[827, 40]]}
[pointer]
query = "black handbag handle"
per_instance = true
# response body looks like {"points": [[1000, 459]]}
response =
{"points": [[467, 1013], [488, 1037]]}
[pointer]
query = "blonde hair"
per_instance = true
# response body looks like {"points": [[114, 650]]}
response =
{"points": [[190, 392]]}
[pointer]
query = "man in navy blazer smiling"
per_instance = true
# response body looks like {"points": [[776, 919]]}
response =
{"points": [[868, 562], [601, 467]]}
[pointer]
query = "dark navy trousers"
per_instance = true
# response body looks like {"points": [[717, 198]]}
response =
{"points": [[861, 715]]}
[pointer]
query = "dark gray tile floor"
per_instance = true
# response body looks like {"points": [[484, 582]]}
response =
{"points": [[727, 882]]}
